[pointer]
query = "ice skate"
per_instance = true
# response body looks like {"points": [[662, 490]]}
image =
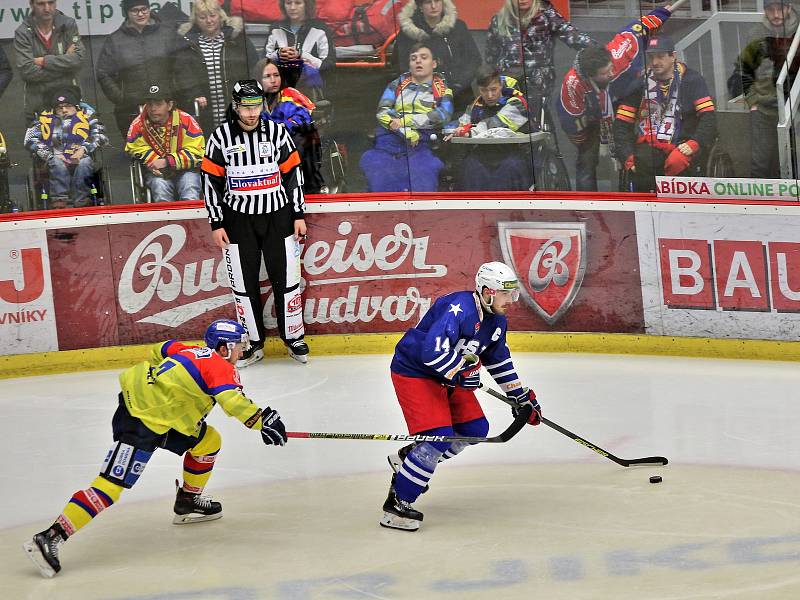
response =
{"points": [[396, 461], [399, 514], [252, 355], [298, 350], [194, 508], [43, 550]]}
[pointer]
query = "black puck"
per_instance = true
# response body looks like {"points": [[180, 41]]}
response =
{"points": [[655, 479]]}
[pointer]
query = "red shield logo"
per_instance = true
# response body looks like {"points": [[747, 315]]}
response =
{"points": [[549, 259]]}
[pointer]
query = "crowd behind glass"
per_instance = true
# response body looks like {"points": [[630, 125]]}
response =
{"points": [[454, 109]]}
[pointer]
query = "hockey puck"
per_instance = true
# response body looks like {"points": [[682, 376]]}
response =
{"points": [[655, 479]]}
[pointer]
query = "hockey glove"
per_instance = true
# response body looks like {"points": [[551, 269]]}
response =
{"points": [[273, 431], [469, 377], [527, 398]]}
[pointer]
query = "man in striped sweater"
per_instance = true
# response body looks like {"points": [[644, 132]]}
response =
{"points": [[253, 189], [169, 143]]}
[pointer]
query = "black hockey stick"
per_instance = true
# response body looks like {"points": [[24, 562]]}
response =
{"points": [[648, 460], [510, 432]]}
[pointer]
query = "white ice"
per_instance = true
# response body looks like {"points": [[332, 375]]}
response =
{"points": [[537, 517]]}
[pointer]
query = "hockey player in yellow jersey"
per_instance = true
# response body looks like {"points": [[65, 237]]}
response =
{"points": [[163, 404]]}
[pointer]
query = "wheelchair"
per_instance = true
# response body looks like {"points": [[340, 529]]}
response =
{"points": [[6, 205], [333, 155], [140, 193], [718, 164], [37, 185]]}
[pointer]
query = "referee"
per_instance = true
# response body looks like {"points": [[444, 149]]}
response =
{"points": [[253, 187]]}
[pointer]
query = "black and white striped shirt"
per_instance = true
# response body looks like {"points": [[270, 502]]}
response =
{"points": [[253, 172], [212, 56]]}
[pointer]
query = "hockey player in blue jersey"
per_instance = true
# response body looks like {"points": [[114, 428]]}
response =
{"points": [[435, 370]]}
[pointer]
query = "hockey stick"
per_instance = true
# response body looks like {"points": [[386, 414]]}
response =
{"points": [[648, 460], [510, 432]]}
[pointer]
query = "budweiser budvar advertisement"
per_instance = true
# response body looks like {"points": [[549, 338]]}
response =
{"points": [[720, 275], [363, 272]]}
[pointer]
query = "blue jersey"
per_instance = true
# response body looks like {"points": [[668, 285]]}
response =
{"points": [[454, 326]]}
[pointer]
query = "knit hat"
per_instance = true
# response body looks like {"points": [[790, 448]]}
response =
{"points": [[67, 95], [129, 4]]}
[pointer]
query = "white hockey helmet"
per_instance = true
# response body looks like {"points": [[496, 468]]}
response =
{"points": [[496, 277]]}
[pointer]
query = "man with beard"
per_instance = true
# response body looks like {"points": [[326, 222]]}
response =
{"points": [[591, 87]]}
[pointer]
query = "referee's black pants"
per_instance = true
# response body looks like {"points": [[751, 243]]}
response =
{"points": [[270, 236]]}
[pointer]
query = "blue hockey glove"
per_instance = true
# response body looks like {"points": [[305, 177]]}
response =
{"points": [[273, 431], [527, 397]]}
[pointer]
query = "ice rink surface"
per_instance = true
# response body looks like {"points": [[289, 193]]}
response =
{"points": [[538, 517]]}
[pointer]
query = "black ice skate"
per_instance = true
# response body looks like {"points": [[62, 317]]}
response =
{"points": [[298, 350], [194, 508], [43, 550], [396, 461], [399, 514], [252, 355]]}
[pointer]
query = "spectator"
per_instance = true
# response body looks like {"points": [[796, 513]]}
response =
{"points": [[292, 109], [141, 51], [591, 87], [667, 125], [520, 44], [411, 109], [6, 74], [436, 22], [170, 144], [301, 37], [216, 53], [49, 53], [755, 75], [500, 106], [64, 139]]}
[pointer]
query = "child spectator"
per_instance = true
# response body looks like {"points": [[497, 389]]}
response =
{"points": [[412, 108], [302, 38], [170, 144], [500, 105], [64, 138]]}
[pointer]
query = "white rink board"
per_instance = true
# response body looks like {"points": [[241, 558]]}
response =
{"points": [[751, 242]]}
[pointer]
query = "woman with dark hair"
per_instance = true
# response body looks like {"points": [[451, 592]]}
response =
{"points": [[302, 39], [291, 108], [436, 23], [216, 54]]}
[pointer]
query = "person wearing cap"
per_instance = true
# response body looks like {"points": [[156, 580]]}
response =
{"points": [[49, 53], [141, 51], [754, 76], [590, 88], [667, 124], [64, 139], [436, 22], [170, 144], [253, 188]]}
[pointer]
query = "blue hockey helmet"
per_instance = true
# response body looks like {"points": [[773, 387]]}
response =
{"points": [[225, 331]]}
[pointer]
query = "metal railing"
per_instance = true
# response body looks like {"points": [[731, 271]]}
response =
{"points": [[786, 111]]}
